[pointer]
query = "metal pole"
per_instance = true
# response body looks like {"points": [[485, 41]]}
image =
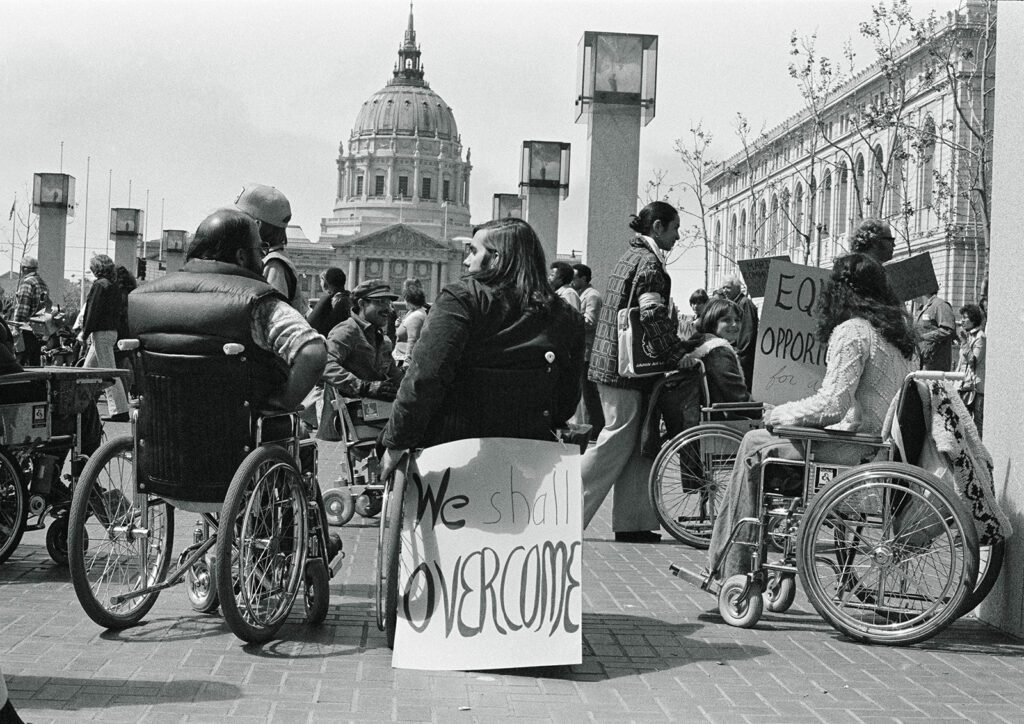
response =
{"points": [[110, 183], [85, 236]]}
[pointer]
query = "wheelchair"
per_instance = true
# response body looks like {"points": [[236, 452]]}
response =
{"points": [[198, 445], [33, 445], [357, 424], [692, 469], [885, 551]]}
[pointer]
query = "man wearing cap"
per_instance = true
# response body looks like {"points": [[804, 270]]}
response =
{"points": [[873, 237], [359, 361], [32, 295], [272, 211]]}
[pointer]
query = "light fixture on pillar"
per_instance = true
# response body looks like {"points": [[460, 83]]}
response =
{"points": [[617, 69], [125, 228], [615, 94], [174, 242], [543, 178], [53, 200], [506, 205]]}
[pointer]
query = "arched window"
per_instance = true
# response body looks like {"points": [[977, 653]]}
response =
{"points": [[759, 229], [826, 204], [861, 189], [877, 183], [843, 189], [730, 250], [798, 216], [773, 227], [741, 242], [927, 164]]}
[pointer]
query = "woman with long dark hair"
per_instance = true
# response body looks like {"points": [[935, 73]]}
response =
{"points": [[871, 349], [500, 355]]}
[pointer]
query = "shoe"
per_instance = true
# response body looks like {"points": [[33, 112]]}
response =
{"points": [[119, 417], [637, 536], [333, 546]]}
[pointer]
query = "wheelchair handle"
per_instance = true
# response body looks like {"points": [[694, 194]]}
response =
{"points": [[232, 349], [935, 375], [127, 345]]}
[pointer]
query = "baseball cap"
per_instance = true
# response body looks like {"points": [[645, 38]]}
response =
{"points": [[266, 204], [29, 262], [374, 289]]}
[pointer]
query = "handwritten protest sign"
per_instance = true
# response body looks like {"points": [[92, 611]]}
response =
{"points": [[790, 361], [912, 277], [755, 273], [490, 568]]}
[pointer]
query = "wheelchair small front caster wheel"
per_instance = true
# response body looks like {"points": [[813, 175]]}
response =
{"points": [[369, 504], [780, 592], [740, 605], [316, 592], [57, 540], [340, 506], [201, 586]]}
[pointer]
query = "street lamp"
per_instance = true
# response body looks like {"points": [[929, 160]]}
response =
{"points": [[617, 69], [506, 205]]}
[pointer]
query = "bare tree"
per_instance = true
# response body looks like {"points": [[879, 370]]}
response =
{"points": [[697, 165]]}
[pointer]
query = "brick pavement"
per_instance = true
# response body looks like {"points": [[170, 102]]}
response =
{"points": [[655, 650]]}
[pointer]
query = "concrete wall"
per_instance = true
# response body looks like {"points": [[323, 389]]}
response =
{"points": [[1004, 431]]}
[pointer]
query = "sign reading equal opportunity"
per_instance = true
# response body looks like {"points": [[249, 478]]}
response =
{"points": [[490, 567], [790, 361]]}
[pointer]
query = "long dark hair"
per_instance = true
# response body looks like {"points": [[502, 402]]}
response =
{"points": [[858, 288], [520, 266]]}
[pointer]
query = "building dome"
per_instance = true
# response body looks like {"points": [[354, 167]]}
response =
{"points": [[403, 109]]}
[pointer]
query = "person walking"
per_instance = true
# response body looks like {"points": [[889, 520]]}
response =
{"points": [[972, 361], [935, 327], [588, 412], [639, 277], [104, 315], [32, 295], [500, 356]]}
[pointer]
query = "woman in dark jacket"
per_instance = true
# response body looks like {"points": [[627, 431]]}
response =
{"points": [[104, 311], [500, 354]]}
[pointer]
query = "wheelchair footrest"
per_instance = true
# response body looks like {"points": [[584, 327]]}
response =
{"points": [[701, 580]]}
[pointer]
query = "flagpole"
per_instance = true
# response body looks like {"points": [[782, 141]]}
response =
{"points": [[85, 235], [13, 231], [110, 184]]}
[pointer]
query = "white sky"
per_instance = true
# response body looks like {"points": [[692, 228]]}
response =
{"points": [[191, 99]]}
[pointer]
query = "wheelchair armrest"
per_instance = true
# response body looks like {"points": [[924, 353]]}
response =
{"points": [[816, 434], [723, 406]]}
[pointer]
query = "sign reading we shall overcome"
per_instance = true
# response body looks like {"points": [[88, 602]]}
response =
{"points": [[790, 361], [490, 567]]}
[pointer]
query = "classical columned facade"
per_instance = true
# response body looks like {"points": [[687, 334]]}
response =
{"points": [[801, 191]]}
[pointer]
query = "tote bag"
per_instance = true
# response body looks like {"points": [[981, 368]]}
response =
{"points": [[635, 358]]}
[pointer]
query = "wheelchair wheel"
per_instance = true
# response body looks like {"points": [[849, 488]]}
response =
{"points": [[990, 563], [340, 506], [57, 540], [109, 553], [316, 592], [887, 554], [389, 549], [689, 478], [739, 609], [780, 592], [201, 587], [13, 507], [261, 544]]}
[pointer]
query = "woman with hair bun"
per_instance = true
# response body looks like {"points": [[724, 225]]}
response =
{"points": [[871, 349], [639, 278]]}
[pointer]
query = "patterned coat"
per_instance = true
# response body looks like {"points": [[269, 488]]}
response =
{"points": [[639, 266]]}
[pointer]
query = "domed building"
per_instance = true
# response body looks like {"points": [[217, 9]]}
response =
{"points": [[403, 187]]}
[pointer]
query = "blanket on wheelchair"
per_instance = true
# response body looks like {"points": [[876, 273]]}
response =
{"points": [[956, 437]]}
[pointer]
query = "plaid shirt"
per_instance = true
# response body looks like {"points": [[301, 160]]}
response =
{"points": [[32, 295], [638, 267]]}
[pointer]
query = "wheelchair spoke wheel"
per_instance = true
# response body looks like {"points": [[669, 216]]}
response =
{"points": [[261, 544], [888, 554], [389, 550], [110, 552], [13, 507], [689, 478]]}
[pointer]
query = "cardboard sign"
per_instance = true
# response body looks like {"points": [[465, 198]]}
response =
{"points": [[790, 361], [912, 277], [755, 273], [490, 568]]}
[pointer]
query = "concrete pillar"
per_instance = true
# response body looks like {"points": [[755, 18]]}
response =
{"points": [[173, 261], [53, 229], [1004, 388], [352, 274], [542, 215], [613, 173], [438, 277], [124, 252]]}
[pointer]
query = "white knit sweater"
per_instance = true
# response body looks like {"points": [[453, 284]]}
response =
{"points": [[863, 374]]}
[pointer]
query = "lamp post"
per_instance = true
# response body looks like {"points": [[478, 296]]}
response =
{"points": [[505, 205], [53, 200], [543, 177], [616, 83]]}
